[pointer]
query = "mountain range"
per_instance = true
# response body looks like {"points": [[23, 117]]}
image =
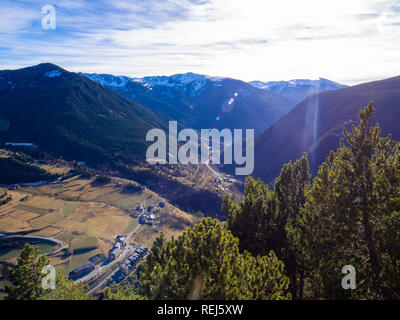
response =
{"points": [[316, 125], [103, 119], [297, 90], [200, 101]]}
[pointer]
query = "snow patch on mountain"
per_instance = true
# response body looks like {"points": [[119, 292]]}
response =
{"points": [[108, 80], [190, 83], [320, 84], [53, 73], [143, 83]]}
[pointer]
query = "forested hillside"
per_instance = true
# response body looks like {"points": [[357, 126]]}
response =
{"points": [[68, 115]]}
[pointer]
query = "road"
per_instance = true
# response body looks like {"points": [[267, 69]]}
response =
{"points": [[114, 272], [61, 244], [215, 173], [103, 282], [126, 251], [51, 239], [98, 271]]}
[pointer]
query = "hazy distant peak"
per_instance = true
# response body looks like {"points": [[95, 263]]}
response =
{"points": [[321, 83]]}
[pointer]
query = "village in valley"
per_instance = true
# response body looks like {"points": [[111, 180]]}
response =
{"points": [[95, 229], [125, 256]]}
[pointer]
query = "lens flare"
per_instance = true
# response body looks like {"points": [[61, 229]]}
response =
{"points": [[227, 106]]}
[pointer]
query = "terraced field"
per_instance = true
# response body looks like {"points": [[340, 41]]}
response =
{"points": [[86, 217]]}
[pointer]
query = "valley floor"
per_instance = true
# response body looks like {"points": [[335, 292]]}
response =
{"points": [[83, 219]]}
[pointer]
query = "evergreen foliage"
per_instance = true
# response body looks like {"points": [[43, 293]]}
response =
{"points": [[26, 277], [204, 263], [351, 217], [66, 290], [15, 171]]}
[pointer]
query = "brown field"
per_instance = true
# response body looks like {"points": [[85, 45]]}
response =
{"points": [[96, 219], [53, 169], [23, 215], [10, 224], [43, 202], [46, 220], [77, 211], [16, 197], [58, 259], [47, 232]]}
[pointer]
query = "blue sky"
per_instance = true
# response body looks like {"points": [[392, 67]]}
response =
{"points": [[349, 41]]}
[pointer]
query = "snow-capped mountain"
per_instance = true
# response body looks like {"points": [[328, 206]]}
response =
{"points": [[108, 80], [193, 83], [279, 86], [299, 89], [154, 92], [201, 101], [189, 83]]}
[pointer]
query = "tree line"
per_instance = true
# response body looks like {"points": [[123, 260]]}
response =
{"points": [[348, 215]]}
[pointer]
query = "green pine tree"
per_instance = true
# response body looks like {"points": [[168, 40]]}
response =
{"points": [[204, 263], [351, 217], [66, 290], [120, 292], [260, 220], [290, 188], [26, 277]]}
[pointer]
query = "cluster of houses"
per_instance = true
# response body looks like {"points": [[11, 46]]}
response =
{"points": [[115, 251], [224, 181], [149, 218], [133, 259], [150, 215]]}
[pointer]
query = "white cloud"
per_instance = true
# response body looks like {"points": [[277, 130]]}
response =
{"points": [[343, 40]]}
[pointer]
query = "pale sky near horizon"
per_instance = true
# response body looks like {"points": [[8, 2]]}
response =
{"points": [[349, 41]]}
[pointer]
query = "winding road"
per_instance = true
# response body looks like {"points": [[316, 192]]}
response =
{"points": [[126, 251], [51, 239]]}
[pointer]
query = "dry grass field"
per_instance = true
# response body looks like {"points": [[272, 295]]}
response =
{"points": [[55, 169], [48, 232], [85, 215]]}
